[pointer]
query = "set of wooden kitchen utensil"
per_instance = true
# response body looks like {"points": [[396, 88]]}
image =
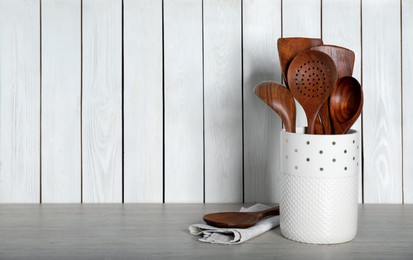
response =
{"points": [[320, 78]]}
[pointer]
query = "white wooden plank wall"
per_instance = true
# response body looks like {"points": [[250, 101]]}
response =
{"points": [[143, 108], [261, 29], [407, 90], [20, 101], [151, 101], [223, 100], [382, 105], [184, 179], [61, 97], [102, 101]]}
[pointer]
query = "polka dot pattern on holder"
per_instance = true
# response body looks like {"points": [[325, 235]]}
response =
{"points": [[318, 154]]}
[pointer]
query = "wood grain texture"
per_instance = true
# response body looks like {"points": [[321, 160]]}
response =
{"points": [[280, 99], [61, 90], [102, 101], [346, 102], [311, 93], [134, 231], [289, 47], [407, 68], [143, 104], [301, 18], [239, 219], [341, 25], [382, 110], [183, 101], [223, 101], [261, 28], [19, 101], [343, 58]]}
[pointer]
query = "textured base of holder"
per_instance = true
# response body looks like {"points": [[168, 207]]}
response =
{"points": [[319, 210], [319, 187]]}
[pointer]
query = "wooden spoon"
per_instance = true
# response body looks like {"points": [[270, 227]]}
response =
{"points": [[239, 219], [280, 100], [311, 77], [346, 102], [288, 48], [344, 60]]}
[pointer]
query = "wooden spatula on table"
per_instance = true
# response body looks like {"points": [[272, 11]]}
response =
{"points": [[239, 219]]}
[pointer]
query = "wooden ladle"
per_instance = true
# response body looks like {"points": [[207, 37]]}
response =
{"points": [[279, 98], [289, 47], [344, 60], [311, 77], [346, 102], [239, 219]]}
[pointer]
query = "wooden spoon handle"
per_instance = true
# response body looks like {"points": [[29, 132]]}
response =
{"points": [[326, 119], [311, 121], [270, 212], [318, 126]]}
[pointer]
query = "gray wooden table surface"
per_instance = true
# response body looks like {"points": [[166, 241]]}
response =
{"points": [[160, 231]]}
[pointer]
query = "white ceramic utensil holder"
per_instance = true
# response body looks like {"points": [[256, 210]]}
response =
{"points": [[319, 178]]}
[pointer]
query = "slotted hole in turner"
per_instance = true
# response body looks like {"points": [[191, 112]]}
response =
{"points": [[313, 77]]}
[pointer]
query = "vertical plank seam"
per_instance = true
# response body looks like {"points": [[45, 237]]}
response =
{"points": [[163, 102], [40, 102], [321, 19], [401, 95], [203, 103], [282, 24], [123, 103], [242, 102], [81, 101], [282, 35], [362, 117]]}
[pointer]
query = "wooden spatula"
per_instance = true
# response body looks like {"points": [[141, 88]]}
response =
{"points": [[342, 57], [239, 219], [344, 60]]}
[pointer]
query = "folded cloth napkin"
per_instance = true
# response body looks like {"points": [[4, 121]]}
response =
{"points": [[232, 236]]}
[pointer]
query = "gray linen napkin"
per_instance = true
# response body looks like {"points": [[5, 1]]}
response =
{"points": [[232, 236]]}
